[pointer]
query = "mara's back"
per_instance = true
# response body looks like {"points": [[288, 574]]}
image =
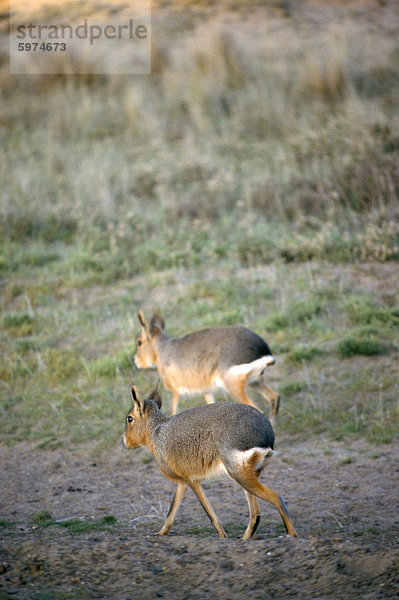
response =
{"points": [[215, 427], [215, 347]]}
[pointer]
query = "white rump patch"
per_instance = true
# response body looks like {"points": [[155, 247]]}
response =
{"points": [[242, 456], [253, 369]]}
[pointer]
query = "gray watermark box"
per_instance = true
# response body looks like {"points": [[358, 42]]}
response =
{"points": [[113, 43]]}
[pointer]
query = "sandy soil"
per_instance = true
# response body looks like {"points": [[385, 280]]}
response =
{"points": [[343, 501]]}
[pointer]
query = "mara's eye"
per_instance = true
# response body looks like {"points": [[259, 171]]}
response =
{"points": [[139, 342], [129, 419]]}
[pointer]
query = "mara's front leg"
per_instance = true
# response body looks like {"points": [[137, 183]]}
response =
{"points": [[170, 517], [199, 492]]}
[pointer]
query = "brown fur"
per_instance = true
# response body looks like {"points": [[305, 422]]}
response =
{"points": [[230, 358], [205, 442]]}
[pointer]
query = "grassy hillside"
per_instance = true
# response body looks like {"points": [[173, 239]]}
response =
{"points": [[252, 178]]}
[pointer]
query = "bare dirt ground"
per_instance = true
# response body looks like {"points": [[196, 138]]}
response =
{"points": [[343, 501]]}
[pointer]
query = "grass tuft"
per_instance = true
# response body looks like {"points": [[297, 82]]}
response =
{"points": [[301, 353], [44, 519], [78, 526], [17, 319], [290, 388], [351, 346]]}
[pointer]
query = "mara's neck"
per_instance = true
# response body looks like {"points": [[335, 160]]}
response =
{"points": [[158, 343], [153, 428]]}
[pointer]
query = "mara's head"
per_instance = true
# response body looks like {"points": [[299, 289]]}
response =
{"points": [[136, 429], [145, 356]]}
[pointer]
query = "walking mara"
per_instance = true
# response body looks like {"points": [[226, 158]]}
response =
{"points": [[206, 442], [201, 362]]}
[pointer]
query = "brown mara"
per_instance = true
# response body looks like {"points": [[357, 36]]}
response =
{"points": [[228, 358], [203, 443]]}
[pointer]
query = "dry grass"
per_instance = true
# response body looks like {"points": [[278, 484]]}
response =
{"points": [[262, 122]]}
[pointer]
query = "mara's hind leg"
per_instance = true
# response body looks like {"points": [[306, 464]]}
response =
{"points": [[270, 395], [254, 516], [175, 401], [178, 497], [199, 492], [235, 386], [209, 398], [248, 480]]}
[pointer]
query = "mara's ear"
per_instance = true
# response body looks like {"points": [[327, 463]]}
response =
{"points": [[144, 324], [157, 323], [155, 395], [138, 402]]}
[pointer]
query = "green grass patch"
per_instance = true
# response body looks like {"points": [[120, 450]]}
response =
{"points": [[360, 405], [19, 324], [26, 344], [277, 321], [301, 353], [305, 310], [77, 526], [4, 524], [202, 532], [363, 312], [301, 312], [108, 366], [236, 529], [54, 595], [384, 431], [17, 319], [351, 346], [290, 388], [61, 364], [368, 331], [44, 519]]}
